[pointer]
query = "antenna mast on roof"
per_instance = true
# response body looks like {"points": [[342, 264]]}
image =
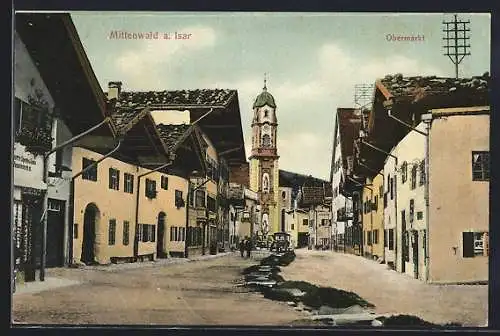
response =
{"points": [[363, 94], [457, 40]]}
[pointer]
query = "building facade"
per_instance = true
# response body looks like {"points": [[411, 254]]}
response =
{"points": [[459, 174]]}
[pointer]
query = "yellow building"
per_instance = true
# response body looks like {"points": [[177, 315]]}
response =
{"points": [[373, 218], [132, 205], [459, 198], [302, 225]]}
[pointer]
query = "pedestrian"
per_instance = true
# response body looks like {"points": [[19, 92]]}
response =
{"points": [[242, 248], [248, 247]]}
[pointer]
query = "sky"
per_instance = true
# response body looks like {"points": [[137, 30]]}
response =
{"points": [[312, 61]]}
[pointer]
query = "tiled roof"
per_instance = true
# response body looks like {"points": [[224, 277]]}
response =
{"points": [[420, 87], [171, 134], [123, 118], [198, 97]]}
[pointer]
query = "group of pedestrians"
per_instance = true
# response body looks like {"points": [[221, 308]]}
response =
{"points": [[245, 245]]}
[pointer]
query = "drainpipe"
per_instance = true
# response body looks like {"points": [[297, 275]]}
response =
{"points": [[43, 219], [72, 198], [428, 121]]}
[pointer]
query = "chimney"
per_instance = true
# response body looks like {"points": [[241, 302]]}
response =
{"points": [[114, 89]]}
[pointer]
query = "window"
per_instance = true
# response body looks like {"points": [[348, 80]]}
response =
{"points": [[385, 200], [150, 189], [375, 204], [112, 232], [391, 239], [412, 210], [480, 166], [129, 183], [392, 188], [325, 222], [266, 140], [475, 244], [420, 215], [114, 179], [200, 198], [164, 182], [305, 222], [422, 172], [369, 237], [388, 182], [375, 236], [211, 204], [148, 233], [293, 226], [385, 238], [75, 231], [413, 178], [283, 195], [126, 232], [179, 201], [139, 232], [172, 233], [182, 234], [404, 172], [91, 173]]}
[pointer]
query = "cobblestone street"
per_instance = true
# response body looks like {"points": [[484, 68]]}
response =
{"points": [[200, 292], [389, 291]]}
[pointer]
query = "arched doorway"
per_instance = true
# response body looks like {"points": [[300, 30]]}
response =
{"points": [[283, 221], [90, 221], [160, 244]]}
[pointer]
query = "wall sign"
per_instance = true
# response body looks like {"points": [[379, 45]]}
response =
{"points": [[23, 162]]}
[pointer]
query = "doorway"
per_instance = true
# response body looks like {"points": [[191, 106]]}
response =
{"points": [[160, 244], [90, 220], [414, 247], [55, 232]]}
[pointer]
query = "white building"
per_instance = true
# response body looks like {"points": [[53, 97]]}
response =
{"points": [[404, 216]]}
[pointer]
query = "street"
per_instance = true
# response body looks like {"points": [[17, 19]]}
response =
{"points": [[389, 291], [204, 293], [194, 293]]}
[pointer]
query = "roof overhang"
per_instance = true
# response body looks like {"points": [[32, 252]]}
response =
{"points": [[53, 43]]}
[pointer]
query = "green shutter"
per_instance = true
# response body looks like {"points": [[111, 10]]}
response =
{"points": [[468, 244]]}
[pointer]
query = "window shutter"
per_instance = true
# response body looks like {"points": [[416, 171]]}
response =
{"points": [[144, 233], [486, 244], [110, 184], [468, 244]]}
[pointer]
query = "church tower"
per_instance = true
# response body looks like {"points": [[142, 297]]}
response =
{"points": [[264, 170]]}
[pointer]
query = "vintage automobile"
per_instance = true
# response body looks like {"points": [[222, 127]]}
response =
{"points": [[281, 242]]}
